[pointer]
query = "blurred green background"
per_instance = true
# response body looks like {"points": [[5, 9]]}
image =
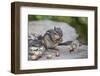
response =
{"points": [[79, 23]]}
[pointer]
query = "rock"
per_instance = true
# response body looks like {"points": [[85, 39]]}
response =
{"points": [[38, 53], [41, 26], [35, 52], [69, 34]]}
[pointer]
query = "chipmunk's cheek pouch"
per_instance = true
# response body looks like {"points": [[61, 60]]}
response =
{"points": [[57, 37]]}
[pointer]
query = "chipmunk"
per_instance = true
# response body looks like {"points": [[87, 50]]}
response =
{"points": [[52, 38]]}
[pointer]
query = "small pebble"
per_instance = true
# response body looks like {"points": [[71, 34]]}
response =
{"points": [[34, 57], [49, 56]]}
